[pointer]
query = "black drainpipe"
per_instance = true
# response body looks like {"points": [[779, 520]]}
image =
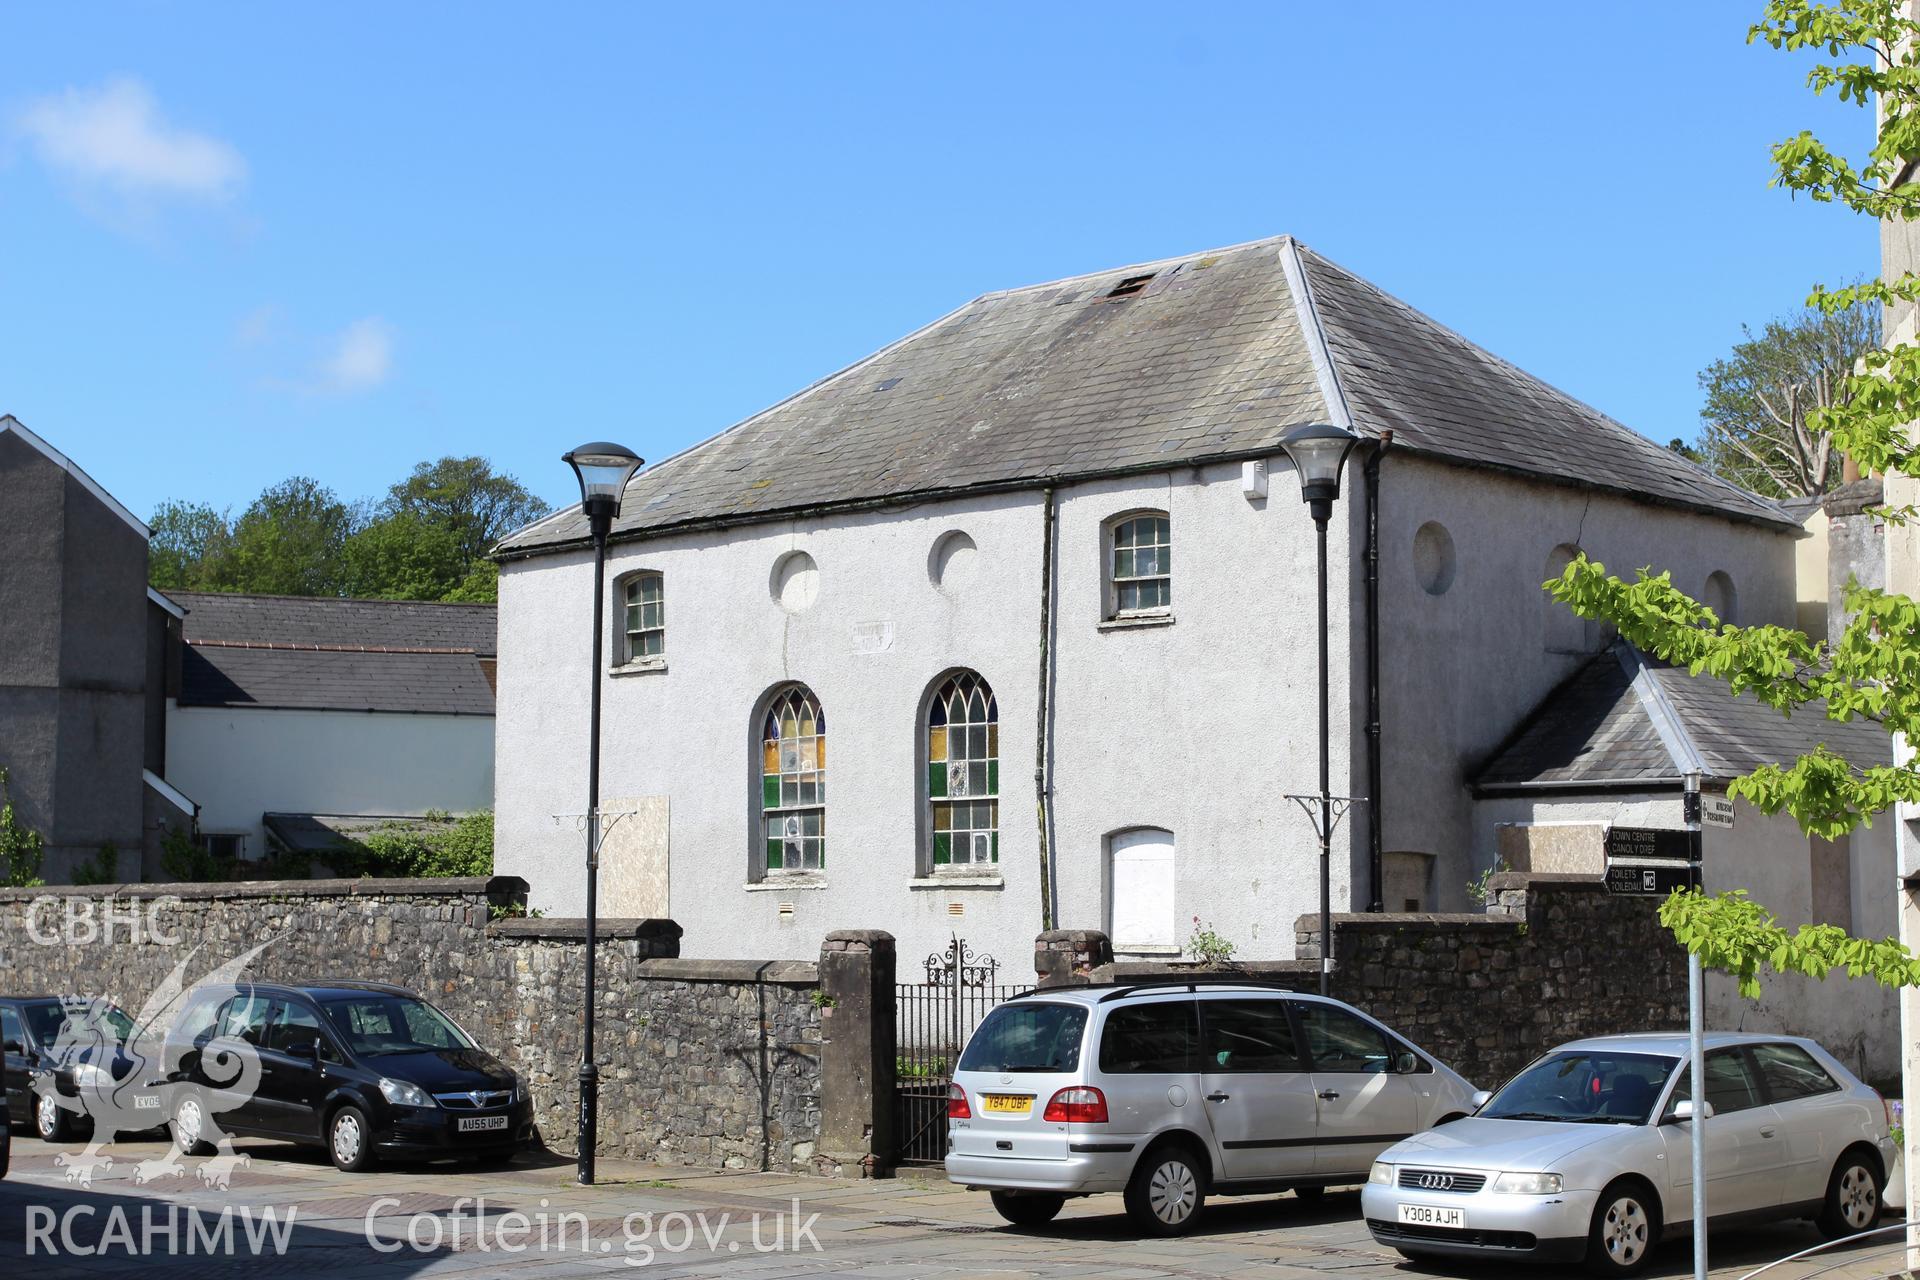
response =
{"points": [[1374, 784], [1040, 708]]}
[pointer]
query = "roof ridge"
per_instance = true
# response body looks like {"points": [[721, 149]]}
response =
{"points": [[10, 423], [1283, 238], [1314, 334], [332, 600], [333, 648], [1533, 379], [1660, 711]]}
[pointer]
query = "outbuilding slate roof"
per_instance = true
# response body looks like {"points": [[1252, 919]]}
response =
{"points": [[323, 654], [1210, 356], [1624, 718]]}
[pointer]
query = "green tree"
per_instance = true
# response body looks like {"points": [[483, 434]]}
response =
{"points": [[188, 543], [467, 497], [402, 557], [290, 541], [22, 849], [1756, 426], [1873, 48]]}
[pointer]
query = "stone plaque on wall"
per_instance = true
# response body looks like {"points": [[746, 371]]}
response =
{"points": [[633, 858]]}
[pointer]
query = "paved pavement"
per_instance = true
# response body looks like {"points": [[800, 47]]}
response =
{"points": [[534, 1224]]}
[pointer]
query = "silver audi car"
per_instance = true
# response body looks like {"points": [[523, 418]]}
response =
{"points": [[1171, 1092], [1586, 1155]]}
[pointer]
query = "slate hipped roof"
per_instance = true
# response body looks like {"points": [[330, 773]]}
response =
{"points": [[1206, 357], [323, 654], [1624, 719]]}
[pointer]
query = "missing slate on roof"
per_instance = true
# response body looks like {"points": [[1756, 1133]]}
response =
{"points": [[887, 385], [1130, 286]]}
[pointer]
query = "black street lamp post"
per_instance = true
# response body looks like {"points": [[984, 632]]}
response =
{"points": [[603, 470], [1318, 452]]}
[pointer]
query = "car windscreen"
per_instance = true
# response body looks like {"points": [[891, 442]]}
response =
{"points": [[1027, 1036], [380, 1024], [1584, 1087], [48, 1019]]}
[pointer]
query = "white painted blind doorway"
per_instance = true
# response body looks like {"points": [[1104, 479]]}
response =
{"points": [[1141, 911]]}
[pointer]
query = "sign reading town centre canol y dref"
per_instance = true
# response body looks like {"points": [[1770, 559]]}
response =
{"points": [[1651, 861]]}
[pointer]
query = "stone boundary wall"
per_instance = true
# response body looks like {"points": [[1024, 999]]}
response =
{"points": [[709, 1063], [1553, 958]]}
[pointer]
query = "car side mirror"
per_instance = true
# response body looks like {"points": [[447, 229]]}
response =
{"points": [[1406, 1064], [13, 1046], [1480, 1098], [1683, 1111], [303, 1049]]}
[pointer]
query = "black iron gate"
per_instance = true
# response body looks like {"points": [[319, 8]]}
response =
{"points": [[933, 1019]]}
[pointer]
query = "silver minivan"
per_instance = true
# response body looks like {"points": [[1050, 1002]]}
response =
{"points": [[1170, 1092]]}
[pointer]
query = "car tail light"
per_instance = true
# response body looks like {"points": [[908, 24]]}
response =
{"points": [[1078, 1105], [957, 1108], [1885, 1107]]}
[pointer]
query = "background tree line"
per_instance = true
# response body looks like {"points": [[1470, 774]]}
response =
{"points": [[1755, 423], [426, 539]]}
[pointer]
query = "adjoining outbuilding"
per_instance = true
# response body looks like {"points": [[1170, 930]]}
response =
{"points": [[1609, 751]]}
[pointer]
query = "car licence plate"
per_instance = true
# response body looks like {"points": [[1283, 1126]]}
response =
{"points": [[1433, 1215], [479, 1124], [1006, 1104], [146, 1102]]}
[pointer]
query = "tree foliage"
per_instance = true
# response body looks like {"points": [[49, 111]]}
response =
{"points": [[1755, 427], [1872, 669], [22, 849], [427, 539], [1737, 935]]}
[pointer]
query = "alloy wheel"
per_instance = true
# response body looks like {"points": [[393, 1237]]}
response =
{"points": [[1859, 1199], [1173, 1193], [1624, 1232], [46, 1114]]}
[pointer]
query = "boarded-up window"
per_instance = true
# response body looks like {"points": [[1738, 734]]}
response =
{"points": [[1142, 906]]}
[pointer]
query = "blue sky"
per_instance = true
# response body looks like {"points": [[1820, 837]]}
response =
{"points": [[243, 242]]}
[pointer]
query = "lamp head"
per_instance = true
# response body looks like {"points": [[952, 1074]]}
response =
{"points": [[1318, 452], [603, 470]]}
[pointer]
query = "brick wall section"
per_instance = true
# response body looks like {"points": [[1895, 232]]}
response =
{"points": [[708, 1063], [1553, 958]]}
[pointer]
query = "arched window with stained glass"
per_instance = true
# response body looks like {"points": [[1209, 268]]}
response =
{"points": [[793, 781], [963, 773]]}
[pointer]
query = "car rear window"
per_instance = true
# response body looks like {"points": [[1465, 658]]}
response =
{"points": [[1028, 1037], [1150, 1039], [1791, 1072]]}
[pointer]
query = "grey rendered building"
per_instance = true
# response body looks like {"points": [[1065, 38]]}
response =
{"points": [[83, 665]]}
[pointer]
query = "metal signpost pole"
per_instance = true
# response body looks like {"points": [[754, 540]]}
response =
{"points": [[1696, 1034]]}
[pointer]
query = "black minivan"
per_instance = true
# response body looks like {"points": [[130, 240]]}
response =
{"points": [[359, 1068]]}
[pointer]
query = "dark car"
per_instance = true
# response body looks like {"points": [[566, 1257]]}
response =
{"points": [[71, 1059], [358, 1068]]}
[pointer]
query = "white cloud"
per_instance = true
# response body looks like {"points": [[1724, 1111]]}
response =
{"points": [[359, 357], [114, 136]]}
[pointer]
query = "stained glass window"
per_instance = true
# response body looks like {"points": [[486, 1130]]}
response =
{"points": [[963, 772], [793, 781], [1142, 568], [646, 617]]}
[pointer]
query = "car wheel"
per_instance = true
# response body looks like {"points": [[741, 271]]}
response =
{"points": [[1167, 1190], [50, 1119], [189, 1125], [1626, 1226], [1027, 1210], [1853, 1196], [350, 1140]]}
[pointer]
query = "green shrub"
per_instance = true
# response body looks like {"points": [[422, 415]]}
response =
{"points": [[22, 849], [102, 868]]}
